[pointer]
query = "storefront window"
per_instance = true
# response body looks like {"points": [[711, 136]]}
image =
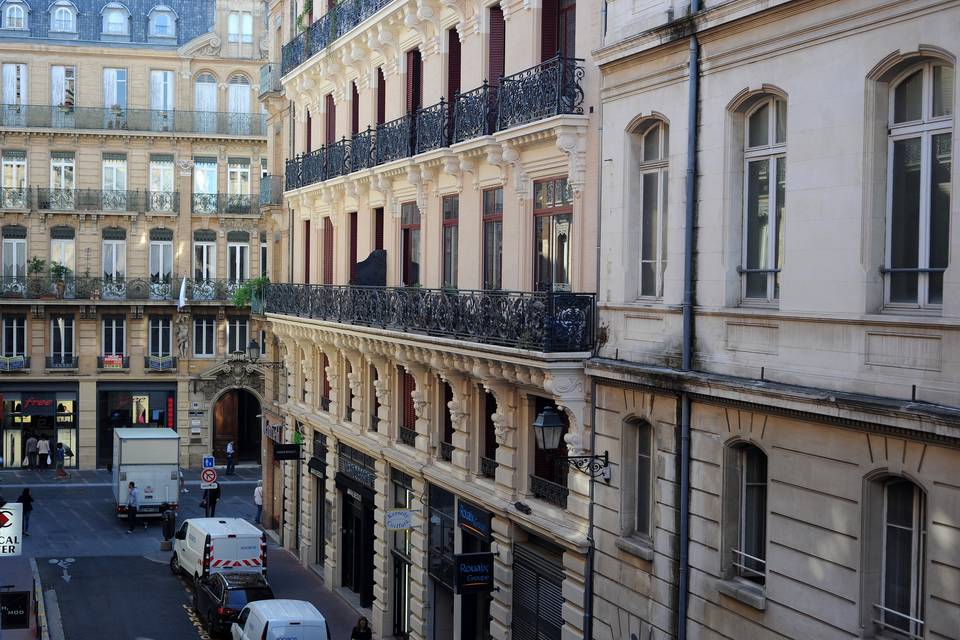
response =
{"points": [[121, 409], [402, 499], [44, 415]]}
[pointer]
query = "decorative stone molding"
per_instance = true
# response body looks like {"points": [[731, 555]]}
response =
{"points": [[573, 142], [521, 182], [185, 167]]}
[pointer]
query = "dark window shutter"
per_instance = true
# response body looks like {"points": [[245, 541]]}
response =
{"points": [[309, 133], [409, 414], [324, 363], [327, 251], [353, 246], [497, 46], [453, 64], [355, 110], [414, 81], [381, 96], [306, 252], [537, 596], [549, 29], [331, 124], [378, 228]]}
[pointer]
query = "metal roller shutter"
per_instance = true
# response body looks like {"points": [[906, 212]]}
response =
{"points": [[537, 596]]}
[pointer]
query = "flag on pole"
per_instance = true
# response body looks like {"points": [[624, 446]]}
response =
{"points": [[182, 302]]}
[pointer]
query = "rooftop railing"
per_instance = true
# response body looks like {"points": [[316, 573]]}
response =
{"points": [[325, 30]]}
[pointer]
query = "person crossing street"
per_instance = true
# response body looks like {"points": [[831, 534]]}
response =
{"points": [[230, 452]]}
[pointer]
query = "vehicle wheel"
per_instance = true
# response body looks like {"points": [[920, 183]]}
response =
{"points": [[175, 565]]}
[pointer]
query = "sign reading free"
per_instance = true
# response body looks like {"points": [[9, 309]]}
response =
{"points": [[11, 529]]}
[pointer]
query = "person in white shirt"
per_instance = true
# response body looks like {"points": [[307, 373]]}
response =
{"points": [[230, 458], [43, 449], [258, 499]]}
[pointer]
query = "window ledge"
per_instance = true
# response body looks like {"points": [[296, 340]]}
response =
{"points": [[636, 546], [750, 594]]}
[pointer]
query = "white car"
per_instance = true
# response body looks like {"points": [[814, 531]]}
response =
{"points": [[280, 620], [203, 546]]}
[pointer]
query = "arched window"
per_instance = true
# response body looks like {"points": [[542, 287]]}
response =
{"points": [[901, 602], [63, 19], [652, 154], [238, 94], [764, 201], [15, 17], [920, 138], [205, 95], [745, 513], [162, 22], [638, 497]]}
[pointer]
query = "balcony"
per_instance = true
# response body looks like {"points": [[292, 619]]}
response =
{"points": [[131, 120], [42, 286], [14, 364], [538, 321], [549, 89], [271, 191], [488, 467], [270, 79], [159, 363], [408, 437], [326, 29], [69, 200], [113, 363], [446, 451], [61, 362], [550, 492], [232, 204]]}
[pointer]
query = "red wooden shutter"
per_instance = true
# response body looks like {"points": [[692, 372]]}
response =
{"points": [[378, 228], [355, 109], [549, 27], [381, 96], [327, 251], [353, 246], [414, 81], [453, 64], [331, 124], [409, 414], [309, 133], [497, 46], [306, 252]]}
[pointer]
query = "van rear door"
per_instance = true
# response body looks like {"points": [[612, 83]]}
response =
{"points": [[240, 553], [291, 630]]}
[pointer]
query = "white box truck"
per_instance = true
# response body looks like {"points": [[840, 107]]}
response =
{"points": [[150, 458]]}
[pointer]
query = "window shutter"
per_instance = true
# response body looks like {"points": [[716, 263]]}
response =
{"points": [[306, 252], [331, 123], [497, 46], [549, 27], [409, 414], [453, 64], [309, 132], [327, 251], [353, 246], [381, 96], [378, 228], [355, 110], [537, 596], [414, 81]]}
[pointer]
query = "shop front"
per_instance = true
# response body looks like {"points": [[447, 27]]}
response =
{"points": [[317, 466], [132, 405], [355, 483], [44, 411]]}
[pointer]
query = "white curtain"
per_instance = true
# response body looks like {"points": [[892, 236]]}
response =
{"points": [[239, 98], [14, 83], [109, 88], [206, 96], [161, 90], [58, 81]]}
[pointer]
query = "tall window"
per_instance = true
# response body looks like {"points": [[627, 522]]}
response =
{"points": [[113, 336], [204, 185], [63, 247], [652, 154], [238, 104], [161, 260], [920, 142], [14, 336], [746, 482], [204, 336], [451, 221], [403, 495], [410, 243], [14, 17], [558, 29], [553, 220], [61, 340], [205, 103], [62, 174], [62, 19], [114, 182], [63, 85], [14, 83], [904, 535], [162, 85], [636, 514], [493, 238], [115, 88], [14, 257], [264, 265], [204, 260], [765, 162], [240, 27], [237, 331], [161, 196], [160, 335], [238, 177], [114, 259], [238, 261]]}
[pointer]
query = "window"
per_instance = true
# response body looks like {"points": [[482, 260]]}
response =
{"points": [[238, 104], [492, 238], [162, 22], [403, 496], [14, 17], [764, 199], [161, 93], [161, 195], [115, 88], [240, 27], [204, 260], [116, 19], [410, 243], [205, 93], [114, 182], [14, 336], [14, 170], [204, 185], [918, 185], [264, 265], [451, 219], [63, 248], [14, 258], [114, 259], [61, 340], [113, 343], [161, 261], [238, 261], [636, 513], [14, 84], [745, 515], [652, 153], [62, 172], [62, 19], [63, 86], [237, 335], [204, 336], [553, 219], [160, 337], [238, 177]]}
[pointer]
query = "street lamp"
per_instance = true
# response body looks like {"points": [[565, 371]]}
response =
{"points": [[548, 429]]}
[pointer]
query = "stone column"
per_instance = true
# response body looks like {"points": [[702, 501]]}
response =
{"points": [[382, 387], [333, 377], [290, 482], [421, 404], [382, 600], [419, 601], [331, 564], [460, 417], [501, 607], [355, 381], [307, 502], [573, 588], [508, 445]]}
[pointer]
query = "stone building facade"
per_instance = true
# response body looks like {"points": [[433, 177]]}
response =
{"points": [[132, 148], [794, 473]]}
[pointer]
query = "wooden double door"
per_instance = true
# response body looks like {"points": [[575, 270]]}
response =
{"points": [[235, 418]]}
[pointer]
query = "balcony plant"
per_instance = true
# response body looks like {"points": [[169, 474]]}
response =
{"points": [[35, 268], [59, 273], [250, 290]]}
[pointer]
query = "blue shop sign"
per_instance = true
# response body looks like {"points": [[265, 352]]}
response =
{"points": [[473, 572], [473, 519]]}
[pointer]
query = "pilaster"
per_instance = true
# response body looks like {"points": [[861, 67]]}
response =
{"points": [[381, 622]]}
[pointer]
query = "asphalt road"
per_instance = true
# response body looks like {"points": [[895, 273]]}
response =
{"points": [[107, 584]]}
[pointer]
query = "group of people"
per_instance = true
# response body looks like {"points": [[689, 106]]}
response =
{"points": [[41, 456]]}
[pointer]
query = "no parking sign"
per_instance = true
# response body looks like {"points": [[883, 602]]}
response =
{"points": [[208, 479]]}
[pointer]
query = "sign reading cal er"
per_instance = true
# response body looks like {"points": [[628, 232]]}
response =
{"points": [[11, 529], [400, 519]]}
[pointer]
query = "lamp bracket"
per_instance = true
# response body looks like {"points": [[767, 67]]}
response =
{"points": [[596, 466]]}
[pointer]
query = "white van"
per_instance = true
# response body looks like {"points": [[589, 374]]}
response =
{"points": [[280, 620], [203, 546]]}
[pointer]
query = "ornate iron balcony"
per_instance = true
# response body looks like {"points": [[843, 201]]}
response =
{"points": [[163, 201], [118, 363], [14, 364], [446, 451], [475, 113], [122, 119], [555, 494], [488, 467], [551, 88], [15, 198], [327, 28], [433, 127], [61, 362], [89, 200], [159, 363], [225, 204], [43, 286], [540, 321], [408, 437]]}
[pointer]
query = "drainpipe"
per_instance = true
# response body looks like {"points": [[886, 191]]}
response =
{"points": [[690, 218]]}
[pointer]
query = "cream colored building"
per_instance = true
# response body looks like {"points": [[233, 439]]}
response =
{"points": [[796, 465], [132, 149]]}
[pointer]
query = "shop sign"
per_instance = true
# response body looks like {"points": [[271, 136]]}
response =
{"points": [[273, 431], [39, 404], [399, 519], [317, 467], [473, 519], [15, 610], [113, 362], [286, 452], [355, 495], [11, 529], [473, 572]]}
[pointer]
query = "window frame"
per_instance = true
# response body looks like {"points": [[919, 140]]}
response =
{"points": [[209, 250], [19, 335], [237, 328], [918, 533], [554, 213], [163, 250], [492, 216], [161, 325], [204, 323], [109, 23], [238, 261], [171, 24], [116, 326], [450, 238], [410, 233], [18, 248], [69, 327], [738, 458], [22, 18], [660, 167], [58, 22], [119, 248]]}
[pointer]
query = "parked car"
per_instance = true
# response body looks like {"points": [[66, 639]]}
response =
{"points": [[219, 597], [280, 620], [203, 546]]}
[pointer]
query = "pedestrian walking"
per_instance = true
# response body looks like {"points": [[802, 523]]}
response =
{"points": [[230, 458], [362, 630], [43, 451], [258, 499], [27, 501], [209, 503], [183, 488], [32, 452], [60, 456], [133, 504]]}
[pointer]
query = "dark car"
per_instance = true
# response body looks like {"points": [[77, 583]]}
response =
{"points": [[219, 597]]}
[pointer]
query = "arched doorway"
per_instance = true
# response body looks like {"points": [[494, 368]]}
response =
{"points": [[235, 417]]}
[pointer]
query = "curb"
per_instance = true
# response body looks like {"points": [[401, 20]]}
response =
{"points": [[43, 628]]}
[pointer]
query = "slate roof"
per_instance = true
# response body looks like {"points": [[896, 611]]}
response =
{"points": [[194, 18]]}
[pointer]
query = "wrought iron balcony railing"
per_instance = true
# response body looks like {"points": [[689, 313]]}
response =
{"points": [[555, 494], [14, 364], [270, 79], [61, 362], [408, 437], [89, 200], [271, 190], [539, 321], [122, 119], [548, 89], [43, 286], [446, 451], [488, 467], [159, 363], [327, 28], [15, 198], [225, 203]]}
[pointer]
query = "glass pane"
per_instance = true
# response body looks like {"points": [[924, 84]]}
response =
{"points": [[942, 90], [643, 479], [908, 99], [541, 232], [781, 208], [759, 134], [651, 144], [940, 164], [649, 235], [758, 226], [896, 576], [905, 219], [781, 120]]}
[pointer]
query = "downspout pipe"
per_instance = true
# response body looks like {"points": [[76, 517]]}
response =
{"points": [[690, 219]]}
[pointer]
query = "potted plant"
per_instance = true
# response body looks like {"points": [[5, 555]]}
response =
{"points": [[35, 268], [250, 291], [59, 273]]}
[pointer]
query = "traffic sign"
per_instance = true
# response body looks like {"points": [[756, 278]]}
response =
{"points": [[208, 462], [11, 529], [208, 479]]}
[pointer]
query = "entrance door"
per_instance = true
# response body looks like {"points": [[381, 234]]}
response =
{"points": [[352, 529], [235, 419]]}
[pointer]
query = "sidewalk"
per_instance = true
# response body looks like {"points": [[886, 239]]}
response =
{"points": [[101, 477]]}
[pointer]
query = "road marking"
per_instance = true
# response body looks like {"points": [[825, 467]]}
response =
{"points": [[194, 618], [65, 565]]}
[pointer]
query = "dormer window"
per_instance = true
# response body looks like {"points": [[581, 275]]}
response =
{"points": [[63, 18], [162, 22], [14, 17], [116, 20]]}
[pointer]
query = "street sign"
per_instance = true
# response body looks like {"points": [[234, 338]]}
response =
{"points": [[208, 462], [208, 479], [286, 452], [400, 519], [11, 529]]}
